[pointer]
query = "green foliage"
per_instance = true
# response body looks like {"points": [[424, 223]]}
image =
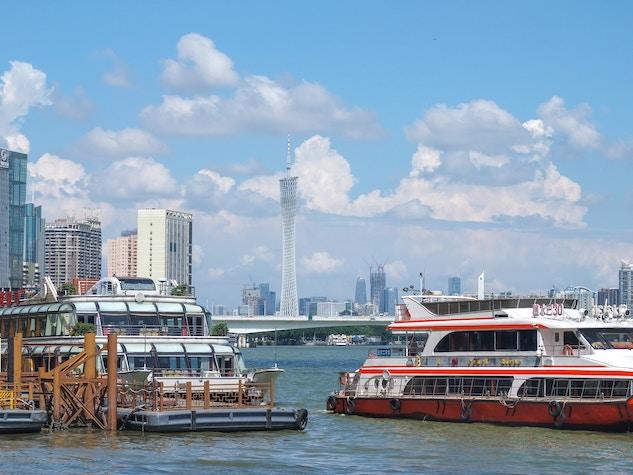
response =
{"points": [[82, 328], [180, 290], [220, 329], [67, 289]]}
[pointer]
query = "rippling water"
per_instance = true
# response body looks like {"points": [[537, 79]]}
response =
{"points": [[331, 443]]}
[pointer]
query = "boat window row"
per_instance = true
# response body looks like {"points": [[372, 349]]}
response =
{"points": [[443, 386], [61, 320], [488, 340], [576, 388], [466, 306], [608, 338], [162, 359]]}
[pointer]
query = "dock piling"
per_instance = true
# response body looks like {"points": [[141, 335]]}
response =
{"points": [[112, 379]]}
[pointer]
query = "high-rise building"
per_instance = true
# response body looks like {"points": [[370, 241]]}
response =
{"points": [[360, 295], [12, 201], [269, 299], [164, 246], [625, 279], [289, 306], [610, 296], [377, 284], [34, 236], [454, 286], [389, 301], [72, 250], [4, 219], [121, 255]]}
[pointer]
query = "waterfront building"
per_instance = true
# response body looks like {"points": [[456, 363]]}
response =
{"points": [[72, 250], [121, 254], [289, 304], [34, 236], [329, 309], [164, 245], [611, 296], [305, 302], [218, 309], [454, 286], [625, 279], [360, 295], [377, 284], [389, 301], [269, 298], [244, 310], [12, 200]]}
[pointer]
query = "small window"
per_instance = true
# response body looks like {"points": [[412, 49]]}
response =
{"points": [[570, 338], [527, 340], [506, 340]]}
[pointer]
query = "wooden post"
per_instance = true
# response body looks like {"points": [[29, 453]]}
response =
{"points": [[207, 395], [112, 377], [239, 392], [188, 395], [57, 395], [17, 361], [90, 373], [160, 395]]}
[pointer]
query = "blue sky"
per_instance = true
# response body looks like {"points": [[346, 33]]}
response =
{"points": [[446, 136]]}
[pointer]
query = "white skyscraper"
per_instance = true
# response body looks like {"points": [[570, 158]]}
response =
{"points": [[289, 306], [164, 245]]}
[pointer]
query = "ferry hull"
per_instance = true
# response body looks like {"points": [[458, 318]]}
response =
{"points": [[598, 416]]}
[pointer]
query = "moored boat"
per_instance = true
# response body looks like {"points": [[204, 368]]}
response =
{"points": [[532, 362]]}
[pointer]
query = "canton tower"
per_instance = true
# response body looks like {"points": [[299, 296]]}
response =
{"points": [[289, 305]]}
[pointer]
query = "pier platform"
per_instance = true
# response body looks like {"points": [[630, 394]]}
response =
{"points": [[13, 421], [216, 419]]}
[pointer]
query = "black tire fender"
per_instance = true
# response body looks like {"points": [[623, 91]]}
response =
{"points": [[554, 408], [394, 404], [301, 419], [330, 405], [466, 412], [350, 406]]}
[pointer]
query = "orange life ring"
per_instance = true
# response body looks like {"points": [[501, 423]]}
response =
{"points": [[568, 350]]}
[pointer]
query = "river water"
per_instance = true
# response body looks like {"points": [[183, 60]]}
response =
{"points": [[330, 444]]}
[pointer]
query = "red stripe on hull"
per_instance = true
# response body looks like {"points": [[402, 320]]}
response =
{"points": [[602, 416]]}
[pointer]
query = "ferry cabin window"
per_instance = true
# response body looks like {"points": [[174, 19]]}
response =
{"points": [[570, 338], [510, 340], [608, 338], [140, 361], [201, 362], [225, 364], [416, 342]]}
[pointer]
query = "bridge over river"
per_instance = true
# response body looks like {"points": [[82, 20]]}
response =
{"points": [[243, 325]]}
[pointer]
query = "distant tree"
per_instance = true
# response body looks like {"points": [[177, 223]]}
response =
{"points": [[67, 289], [220, 329], [180, 290]]}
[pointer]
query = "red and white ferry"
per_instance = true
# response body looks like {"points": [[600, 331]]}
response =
{"points": [[533, 362]]}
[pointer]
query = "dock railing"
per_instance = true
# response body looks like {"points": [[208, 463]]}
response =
{"points": [[161, 397]]}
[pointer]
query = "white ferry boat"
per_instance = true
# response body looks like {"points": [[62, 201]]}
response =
{"points": [[337, 340], [533, 362], [162, 336]]}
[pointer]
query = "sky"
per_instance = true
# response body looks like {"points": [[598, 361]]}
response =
{"points": [[445, 137]]}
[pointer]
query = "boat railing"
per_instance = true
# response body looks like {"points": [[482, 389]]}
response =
{"points": [[469, 387], [17, 396], [150, 330], [159, 396], [569, 350]]}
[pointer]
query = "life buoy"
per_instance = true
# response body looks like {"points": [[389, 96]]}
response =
{"points": [[394, 404], [554, 408], [330, 405], [350, 405], [568, 350]]}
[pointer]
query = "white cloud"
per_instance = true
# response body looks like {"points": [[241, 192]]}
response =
{"points": [[136, 178], [22, 87], [197, 254], [266, 185], [572, 124], [119, 143], [259, 253], [55, 177], [215, 272], [396, 270], [425, 159], [76, 106], [199, 65], [119, 75], [18, 143], [257, 103], [321, 263], [222, 183], [482, 160]]}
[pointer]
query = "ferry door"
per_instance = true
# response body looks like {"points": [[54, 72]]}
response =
{"points": [[195, 324]]}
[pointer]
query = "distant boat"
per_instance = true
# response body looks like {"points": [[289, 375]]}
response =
{"points": [[337, 340]]}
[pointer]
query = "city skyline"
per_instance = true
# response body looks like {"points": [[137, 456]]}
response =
{"points": [[457, 163]]}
